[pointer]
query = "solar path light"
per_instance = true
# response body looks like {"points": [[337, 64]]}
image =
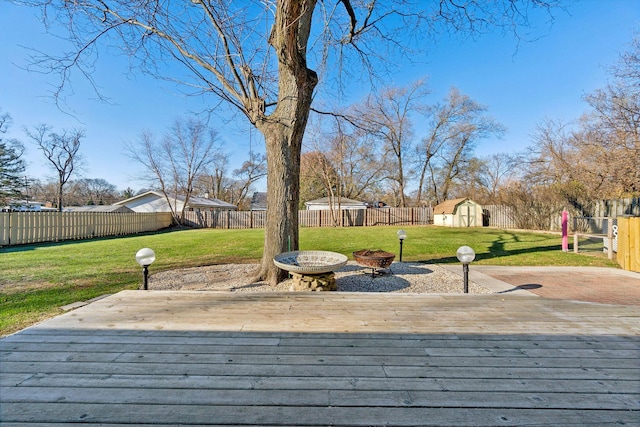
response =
{"points": [[465, 255], [401, 236], [145, 258]]}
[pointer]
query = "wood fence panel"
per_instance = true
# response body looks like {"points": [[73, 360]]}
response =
{"points": [[19, 228], [303, 219], [629, 243], [309, 219], [259, 219], [5, 229], [499, 216], [378, 217], [353, 217], [313, 218], [617, 207], [16, 230]]}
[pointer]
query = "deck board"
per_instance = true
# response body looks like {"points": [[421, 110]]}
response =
{"points": [[167, 358]]}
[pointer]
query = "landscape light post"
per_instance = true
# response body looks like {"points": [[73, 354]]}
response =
{"points": [[401, 236], [465, 255], [145, 258]]}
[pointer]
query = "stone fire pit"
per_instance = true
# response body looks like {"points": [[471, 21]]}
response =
{"points": [[375, 259], [311, 270]]}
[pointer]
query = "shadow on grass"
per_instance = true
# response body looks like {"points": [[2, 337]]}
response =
{"points": [[496, 251]]}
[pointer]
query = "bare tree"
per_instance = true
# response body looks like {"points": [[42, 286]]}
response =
{"points": [[627, 69], [317, 177], [445, 123], [611, 129], [45, 192], [455, 128], [360, 163], [597, 156], [90, 191], [255, 56], [214, 182], [356, 159], [174, 162], [496, 172], [387, 116], [61, 151], [249, 173], [214, 185]]}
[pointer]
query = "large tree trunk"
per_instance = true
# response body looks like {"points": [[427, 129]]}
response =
{"points": [[283, 183], [283, 131]]}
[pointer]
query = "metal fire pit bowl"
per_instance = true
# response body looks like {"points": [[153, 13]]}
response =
{"points": [[310, 262], [374, 259]]}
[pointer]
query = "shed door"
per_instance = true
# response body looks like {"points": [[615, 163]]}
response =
{"points": [[467, 214]]}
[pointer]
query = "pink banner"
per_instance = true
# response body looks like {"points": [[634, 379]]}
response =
{"points": [[565, 231]]}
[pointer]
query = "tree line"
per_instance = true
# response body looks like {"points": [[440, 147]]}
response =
{"points": [[370, 150]]}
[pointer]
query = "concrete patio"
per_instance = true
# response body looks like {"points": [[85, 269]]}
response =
{"points": [[353, 359]]}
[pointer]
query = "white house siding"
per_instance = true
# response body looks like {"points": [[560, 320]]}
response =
{"points": [[150, 203], [325, 204]]}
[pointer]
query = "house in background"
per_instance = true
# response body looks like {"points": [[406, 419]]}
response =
{"points": [[100, 208], [259, 201], [458, 213], [377, 204], [326, 203], [154, 201]]}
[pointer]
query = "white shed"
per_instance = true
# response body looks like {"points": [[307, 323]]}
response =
{"points": [[458, 213]]}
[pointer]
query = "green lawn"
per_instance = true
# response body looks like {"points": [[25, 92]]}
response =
{"points": [[37, 279]]}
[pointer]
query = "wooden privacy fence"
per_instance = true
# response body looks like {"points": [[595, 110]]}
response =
{"points": [[225, 219], [19, 228], [365, 217], [498, 216], [320, 218], [629, 243], [617, 207]]}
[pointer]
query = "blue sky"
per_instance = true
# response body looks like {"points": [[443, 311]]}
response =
{"points": [[521, 84]]}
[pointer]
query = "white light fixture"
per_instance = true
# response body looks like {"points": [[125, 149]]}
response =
{"points": [[465, 255], [145, 257], [401, 236]]}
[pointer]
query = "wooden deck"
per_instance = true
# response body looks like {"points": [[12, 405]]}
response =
{"points": [[196, 358]]}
